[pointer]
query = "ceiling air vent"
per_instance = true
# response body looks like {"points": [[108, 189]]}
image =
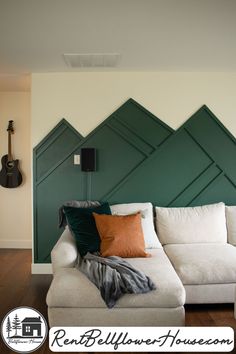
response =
{"points": [[92, 60]]}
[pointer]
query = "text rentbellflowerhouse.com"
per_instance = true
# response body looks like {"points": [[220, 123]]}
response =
{"points": [[141, 339]]}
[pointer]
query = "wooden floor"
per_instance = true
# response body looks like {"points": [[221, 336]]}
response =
{"points": [[19, 288]]}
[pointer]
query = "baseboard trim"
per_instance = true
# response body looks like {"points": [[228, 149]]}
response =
{"points": [[41, 268], [16, 244]]}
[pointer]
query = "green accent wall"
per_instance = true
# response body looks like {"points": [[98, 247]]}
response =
{"points": [[139, 158]]}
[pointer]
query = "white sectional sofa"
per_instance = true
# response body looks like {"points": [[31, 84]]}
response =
{"points": [[196, 240], [197, 264], [74, 301]]}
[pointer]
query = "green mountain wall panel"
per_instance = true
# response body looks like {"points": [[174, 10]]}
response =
{"points": [[166, 173], [143, 123], [208, 132], [139, 158]]}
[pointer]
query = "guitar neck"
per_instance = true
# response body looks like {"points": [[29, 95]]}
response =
{"points": [[10, 158]]}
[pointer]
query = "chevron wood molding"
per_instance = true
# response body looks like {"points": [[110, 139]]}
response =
{"points": [[139, 158]]}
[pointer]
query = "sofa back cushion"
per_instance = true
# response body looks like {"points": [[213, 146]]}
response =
{"points": [[203, 224], [231, 224], [146, 209]]}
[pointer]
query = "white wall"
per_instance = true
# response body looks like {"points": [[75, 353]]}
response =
{"points": [[85, 99], [15, 204]]}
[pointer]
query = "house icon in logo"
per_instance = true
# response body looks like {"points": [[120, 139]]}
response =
{"points": [[31, 326]]}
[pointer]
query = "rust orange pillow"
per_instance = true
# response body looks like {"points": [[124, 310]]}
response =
{"points": [[120, 235]]}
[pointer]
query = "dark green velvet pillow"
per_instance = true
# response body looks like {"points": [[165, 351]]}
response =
{"points": [[82, 225]]}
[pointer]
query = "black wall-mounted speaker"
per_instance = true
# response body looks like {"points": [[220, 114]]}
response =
{"points": [[88, 159]]}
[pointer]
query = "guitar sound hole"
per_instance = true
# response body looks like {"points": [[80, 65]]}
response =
{"points": [[10, 164]]}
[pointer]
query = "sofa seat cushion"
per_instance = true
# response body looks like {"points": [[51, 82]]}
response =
{"points": [[71, 288], [203, 263]]}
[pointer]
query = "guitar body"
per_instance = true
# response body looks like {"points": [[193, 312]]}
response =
{"points": [[10, 176]]}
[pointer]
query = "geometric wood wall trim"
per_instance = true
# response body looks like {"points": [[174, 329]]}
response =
{"points": [[139, 158]]}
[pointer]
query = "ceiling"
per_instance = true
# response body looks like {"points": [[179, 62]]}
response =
{"points": [[153, 35]]}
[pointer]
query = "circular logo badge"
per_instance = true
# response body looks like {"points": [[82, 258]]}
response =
{"points": [[24, 329]]}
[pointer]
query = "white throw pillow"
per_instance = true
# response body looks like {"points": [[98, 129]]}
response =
{"points": [[146, 209], [203, 224], [231, 224]]}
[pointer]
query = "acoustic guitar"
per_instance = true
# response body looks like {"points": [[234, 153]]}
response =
{"points": [[10, 176]]}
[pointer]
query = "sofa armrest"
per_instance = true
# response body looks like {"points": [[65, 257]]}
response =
{"points": [[64, 254]]}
